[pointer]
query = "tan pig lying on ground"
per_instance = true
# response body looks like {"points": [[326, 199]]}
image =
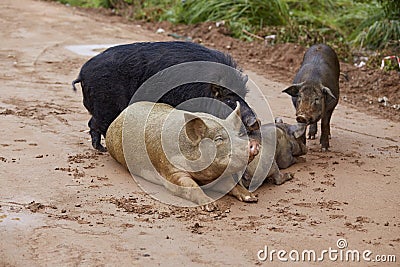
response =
{"points": [[181, 150]]}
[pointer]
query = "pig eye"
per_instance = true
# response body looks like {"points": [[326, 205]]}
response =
{"points": [[218, 139]]}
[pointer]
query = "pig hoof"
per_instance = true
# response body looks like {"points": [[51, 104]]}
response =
{"points": [[210, 207], [100, 148], [312, 137], [324, 149], [288, 176], [300, 160], [250, 198], [283, 178]]}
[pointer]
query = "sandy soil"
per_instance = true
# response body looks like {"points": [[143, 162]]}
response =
{"points": [[64, 204]]}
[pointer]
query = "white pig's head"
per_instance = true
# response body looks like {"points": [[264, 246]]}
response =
{"points": [[214, 146]]}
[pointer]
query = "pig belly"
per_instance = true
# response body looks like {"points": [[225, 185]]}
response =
{"points": [[126, 144]]}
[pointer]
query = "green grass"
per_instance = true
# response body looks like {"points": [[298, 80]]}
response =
{"points": [[251, 12], [372, 24], [87, 3], [380, 28]]}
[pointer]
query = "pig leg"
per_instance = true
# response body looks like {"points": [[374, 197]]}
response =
{"points": [[325, 130], [181, 184], [246, 179], [300, 160], [95, 134], [312, 131], [237, 190], [274, 173], [277, 176], [283, 177], [303, 138], [242, 194]]}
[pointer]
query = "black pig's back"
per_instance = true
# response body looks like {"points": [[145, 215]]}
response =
{"points": [[110, 79], [320, 65]]}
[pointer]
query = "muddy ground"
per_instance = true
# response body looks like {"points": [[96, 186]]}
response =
{"points": [[64, 204]]}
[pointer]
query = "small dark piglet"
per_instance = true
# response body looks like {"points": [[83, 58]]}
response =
{"points": [[315, 90], [288, 147]]}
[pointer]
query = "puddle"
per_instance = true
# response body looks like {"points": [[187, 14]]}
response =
{"points": [[17, 217], [88, 50], [20, 219]]}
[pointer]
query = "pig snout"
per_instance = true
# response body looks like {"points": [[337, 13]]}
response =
{"points": [[253, 124], [254, 149], [302, 119]]}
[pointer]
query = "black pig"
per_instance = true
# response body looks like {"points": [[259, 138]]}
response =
{"points": [[315, 90], [110, 79]]}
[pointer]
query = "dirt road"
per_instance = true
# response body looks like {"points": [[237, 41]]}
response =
{"points": [[64, 204]]}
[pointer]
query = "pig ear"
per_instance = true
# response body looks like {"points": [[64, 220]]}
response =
{"points": [[297, 130], [328, 91], [292, 90], [195, 128], [235, 117]]}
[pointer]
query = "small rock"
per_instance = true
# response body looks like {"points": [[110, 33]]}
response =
{"points": [[160, 31], [220, 23], [383, 99]]}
